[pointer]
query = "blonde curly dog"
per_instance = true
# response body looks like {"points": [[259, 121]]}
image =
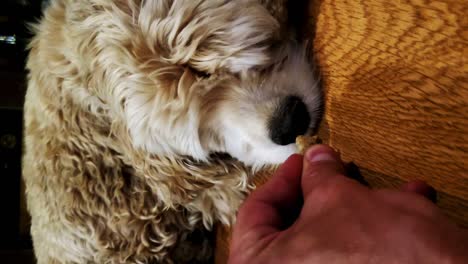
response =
{"points": [[131, 109]]}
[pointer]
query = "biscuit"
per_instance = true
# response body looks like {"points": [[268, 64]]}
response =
{"points": [[304, 142]]}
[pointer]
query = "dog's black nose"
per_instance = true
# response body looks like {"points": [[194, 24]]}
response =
{"points": [[290, 120]]}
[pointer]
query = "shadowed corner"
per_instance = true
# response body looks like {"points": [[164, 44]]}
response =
{"points": [[353, 172], [302, 18]]}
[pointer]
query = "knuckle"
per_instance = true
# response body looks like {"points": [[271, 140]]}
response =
{"points": [[335, 191]]}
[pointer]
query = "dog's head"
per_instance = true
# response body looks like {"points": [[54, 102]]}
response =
{"points": [[258, 115], [195, 77]]}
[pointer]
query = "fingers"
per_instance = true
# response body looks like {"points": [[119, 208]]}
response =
{"points": [[413, 197], [408, 201], [261, 213], [321, 164], [421, 188]]}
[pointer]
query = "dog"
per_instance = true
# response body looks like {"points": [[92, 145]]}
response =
{"points": [[146, 119]]}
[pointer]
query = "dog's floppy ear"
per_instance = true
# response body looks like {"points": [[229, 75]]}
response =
{"points": [[210, 35]]}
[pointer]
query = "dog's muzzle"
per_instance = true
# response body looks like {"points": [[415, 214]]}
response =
{"points": [[289, 120]]}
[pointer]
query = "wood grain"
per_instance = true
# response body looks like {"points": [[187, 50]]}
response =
{"points": [[396, 79], [395, 75]]}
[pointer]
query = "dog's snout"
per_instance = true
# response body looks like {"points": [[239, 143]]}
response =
{"points": [[289, 120]]}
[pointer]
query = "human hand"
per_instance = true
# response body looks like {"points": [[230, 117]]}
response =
{"points": [[310, 213]]}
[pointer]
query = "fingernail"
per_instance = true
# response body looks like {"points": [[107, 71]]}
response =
{"points": [[320, 153]]}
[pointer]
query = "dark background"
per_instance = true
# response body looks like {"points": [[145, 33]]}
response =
{"points": [[15, 242]]}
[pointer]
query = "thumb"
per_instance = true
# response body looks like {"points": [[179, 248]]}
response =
{"points": [[262, 212], [321, 164]]}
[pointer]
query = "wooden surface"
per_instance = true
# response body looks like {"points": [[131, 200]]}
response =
{"points": [[396, 81], [396, 76]]}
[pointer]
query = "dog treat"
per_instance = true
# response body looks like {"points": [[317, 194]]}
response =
{"points": [[304, 142]]}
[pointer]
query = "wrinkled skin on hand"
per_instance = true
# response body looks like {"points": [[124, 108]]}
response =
{"points": [[309, 212]]}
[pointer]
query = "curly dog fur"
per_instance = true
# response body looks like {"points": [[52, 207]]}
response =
{"points": [[129, 104]]}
